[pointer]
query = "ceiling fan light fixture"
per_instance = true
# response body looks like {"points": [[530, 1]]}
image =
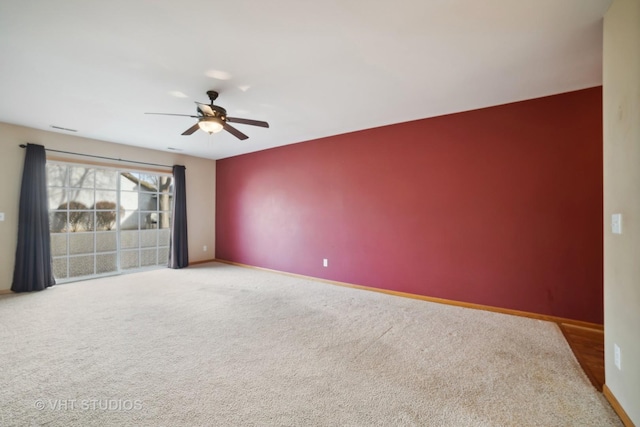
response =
{"points": [[213, 118], [210, 124]]}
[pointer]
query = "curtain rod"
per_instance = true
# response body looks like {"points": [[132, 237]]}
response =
{"points": [[103, 157]]}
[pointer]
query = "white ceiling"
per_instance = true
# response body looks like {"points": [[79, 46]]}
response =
{"points": [[309, 68]]}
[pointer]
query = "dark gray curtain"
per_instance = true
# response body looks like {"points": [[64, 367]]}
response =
{"points": [[178, 249], [33, 268]]}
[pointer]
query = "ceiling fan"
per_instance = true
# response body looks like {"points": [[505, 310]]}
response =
{"points": [[213, 118]]}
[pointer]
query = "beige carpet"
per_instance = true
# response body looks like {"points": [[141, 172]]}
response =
{"points": [[223, 345]]}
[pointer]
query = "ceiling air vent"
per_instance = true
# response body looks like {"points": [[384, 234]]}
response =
{"points": [[65, 129]]}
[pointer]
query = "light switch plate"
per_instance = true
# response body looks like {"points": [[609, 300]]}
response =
{"points": [[616, 223]]}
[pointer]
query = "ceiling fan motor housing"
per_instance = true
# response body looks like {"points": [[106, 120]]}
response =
{"points": [[219, 112], [205, 110]]}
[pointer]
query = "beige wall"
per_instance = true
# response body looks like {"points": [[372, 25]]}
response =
{"points": [[200, 177], [621, 89]]}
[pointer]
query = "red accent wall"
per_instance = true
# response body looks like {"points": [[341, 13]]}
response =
{"points": [[500, 206]]}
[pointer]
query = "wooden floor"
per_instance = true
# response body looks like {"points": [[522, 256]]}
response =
{"points": [[588, 346]]}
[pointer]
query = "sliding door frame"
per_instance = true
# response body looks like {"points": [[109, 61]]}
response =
{"points": [[87, 229]]}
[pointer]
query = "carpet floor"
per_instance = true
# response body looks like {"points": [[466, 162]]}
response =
{"points": [[216, 344]]}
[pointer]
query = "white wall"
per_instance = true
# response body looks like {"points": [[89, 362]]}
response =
{"points": [[621, 98], [200, 177]]}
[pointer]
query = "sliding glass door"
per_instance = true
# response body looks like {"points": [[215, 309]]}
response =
{"points": [[145, 204], [105, 221]]}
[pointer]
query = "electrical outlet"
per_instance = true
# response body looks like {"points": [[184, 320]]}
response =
{"points": [[325, 262], [616, 223], [204, 248], [617, 357], [1, 216]]}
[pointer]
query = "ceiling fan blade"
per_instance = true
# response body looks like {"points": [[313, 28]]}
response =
{"points": [[171, 114], [248, 122], [206, 109], [233, 131], [191, 130]]}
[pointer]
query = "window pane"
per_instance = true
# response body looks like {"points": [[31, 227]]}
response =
{"points": [[148, 238], [60, 268], [149, 257], [129, 220], [129, 239], [166, 183], [57, 198], [163, 237], [106, 242], [128, 259], [149, 220], [148, 201], [129, 200], [164, 220], [164, 201], [163, 256], [107, 179], [130, 181], [105, 220], [81, 177], [59, 244], [81, 266], [103, 197], [80, 221], [80, 199], [106, 263], [81, 243], [57, 175], [58, 221], [149, 182]]}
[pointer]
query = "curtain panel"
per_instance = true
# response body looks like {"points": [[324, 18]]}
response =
{"points": [[178, 248], [33, 270]]}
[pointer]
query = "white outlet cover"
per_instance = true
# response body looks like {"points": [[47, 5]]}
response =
{"points": [[616, 356], [616, 223], [1, 216]]}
